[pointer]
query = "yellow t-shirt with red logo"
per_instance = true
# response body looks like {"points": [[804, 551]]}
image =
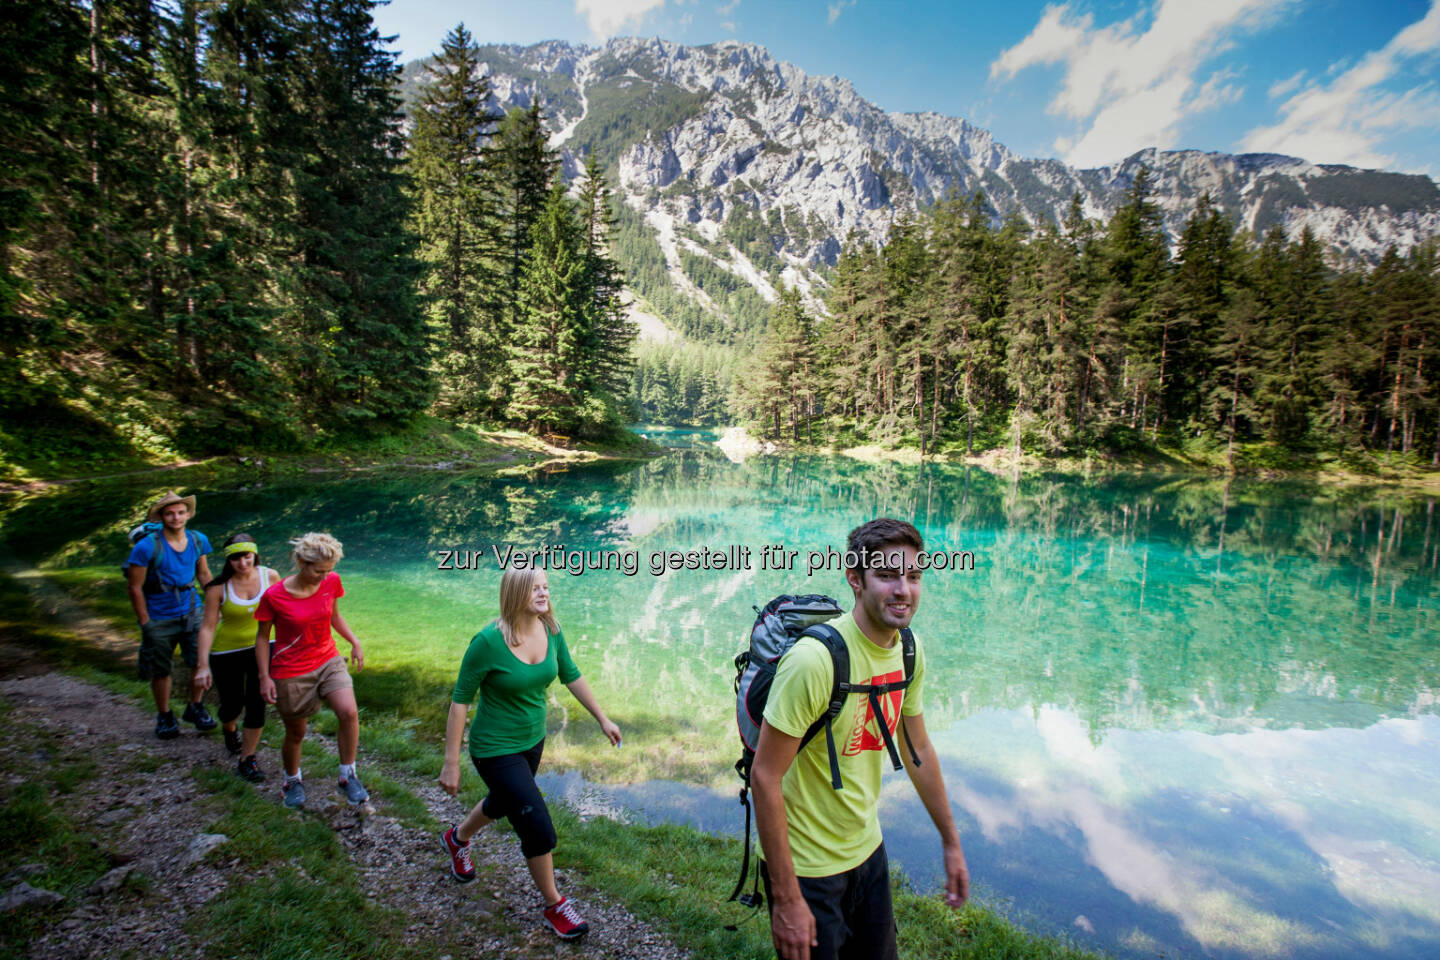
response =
{"points": [[831, 830]]}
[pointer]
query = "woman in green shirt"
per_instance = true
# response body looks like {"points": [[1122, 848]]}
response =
{"points": [[510, 663]]}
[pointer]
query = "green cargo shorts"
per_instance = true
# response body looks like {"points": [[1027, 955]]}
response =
{"points": [[158, 640]]}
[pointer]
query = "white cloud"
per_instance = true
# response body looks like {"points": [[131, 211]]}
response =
{"points": [[1347, 119], [1282, 87], [1129, 86], [729, 25], [835, 9], [607, 17], [725, 9]]}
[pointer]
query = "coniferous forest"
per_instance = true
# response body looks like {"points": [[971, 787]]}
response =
{"points": [[217, 228], [1081, 336]]}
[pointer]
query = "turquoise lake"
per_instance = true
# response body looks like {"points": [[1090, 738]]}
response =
{"points": [[1175, 716]]}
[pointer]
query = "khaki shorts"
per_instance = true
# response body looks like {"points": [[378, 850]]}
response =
{"points": [[301, 696]]}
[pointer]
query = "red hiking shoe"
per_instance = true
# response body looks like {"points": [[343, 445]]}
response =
{"points": [[565, 920], [460, 866]]}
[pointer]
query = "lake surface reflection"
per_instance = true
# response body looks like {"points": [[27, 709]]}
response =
{"points": [[1176, 715]]}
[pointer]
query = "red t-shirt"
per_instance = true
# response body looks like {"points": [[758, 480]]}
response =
{"points": [[302, 626]]}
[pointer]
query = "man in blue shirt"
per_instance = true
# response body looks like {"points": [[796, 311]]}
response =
{"points": [[167, 606]]}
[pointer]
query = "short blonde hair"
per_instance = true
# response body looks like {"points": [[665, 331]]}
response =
{"points": [[515, 589], [316, 548]]}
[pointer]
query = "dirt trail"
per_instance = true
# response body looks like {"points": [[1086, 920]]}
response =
{"points": [[153, 811]]}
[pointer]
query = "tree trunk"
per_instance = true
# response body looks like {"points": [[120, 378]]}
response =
{"points": [[935, 405], [920, 401], [1160, 386]]}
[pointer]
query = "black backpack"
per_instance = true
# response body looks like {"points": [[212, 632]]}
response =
{"points": [[778, 626]]}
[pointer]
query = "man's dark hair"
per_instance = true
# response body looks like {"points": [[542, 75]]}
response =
{"points": [[870, 539]]}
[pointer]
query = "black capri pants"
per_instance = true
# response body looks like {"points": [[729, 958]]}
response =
{"points": [[514, 796], [237, 682]]}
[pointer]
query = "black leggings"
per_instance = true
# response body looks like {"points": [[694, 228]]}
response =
{"points": [[514, 795], [237, 681]]}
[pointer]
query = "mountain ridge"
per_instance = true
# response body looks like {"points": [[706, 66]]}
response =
{"points": [[736, 151]]}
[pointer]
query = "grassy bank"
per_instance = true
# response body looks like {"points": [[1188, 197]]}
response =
{"points": [[671, 876], [426, 443]]}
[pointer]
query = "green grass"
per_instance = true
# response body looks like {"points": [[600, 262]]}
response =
{"points": [[302, 898], [37, 830]]}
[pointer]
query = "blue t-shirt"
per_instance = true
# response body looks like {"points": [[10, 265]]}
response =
{"points": [[174, 568]]}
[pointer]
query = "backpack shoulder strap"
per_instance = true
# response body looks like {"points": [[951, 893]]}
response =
{"points": [[839, 690], [907, 654]]}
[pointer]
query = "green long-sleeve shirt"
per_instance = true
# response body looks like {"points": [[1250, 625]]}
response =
{"points": [[511, 714]]}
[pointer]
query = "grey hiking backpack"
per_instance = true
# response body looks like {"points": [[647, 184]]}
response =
{"points": [[778, 626]]}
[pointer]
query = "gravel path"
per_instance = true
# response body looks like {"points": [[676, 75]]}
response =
{"points": [[155, 816]]}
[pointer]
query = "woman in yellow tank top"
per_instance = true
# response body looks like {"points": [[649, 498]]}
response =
{"points": [[227, 648]]}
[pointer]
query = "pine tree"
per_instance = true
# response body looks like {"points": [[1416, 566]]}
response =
{"points": [[355, 285], [1343, 356], [1136, 264], [454, 193], [43, 97], [780, 387], [1234, 367], [550, 380], [613, 333], [524, 167]]}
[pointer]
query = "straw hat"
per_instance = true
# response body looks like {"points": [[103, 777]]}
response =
{"points": [[167, 500]]}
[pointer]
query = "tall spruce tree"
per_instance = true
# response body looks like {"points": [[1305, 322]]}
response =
{"points": [[454, 217], [356, 280], [780, 388], [549, 377], [525, 168], [612, 332]]}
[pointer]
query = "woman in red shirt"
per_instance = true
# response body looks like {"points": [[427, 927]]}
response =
{"points": [[305, 668]]}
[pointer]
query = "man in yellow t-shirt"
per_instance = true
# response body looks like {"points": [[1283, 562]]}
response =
{"points": [[824, 866]]}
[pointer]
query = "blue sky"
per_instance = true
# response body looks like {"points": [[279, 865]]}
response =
{"points": [[1333, 81]]}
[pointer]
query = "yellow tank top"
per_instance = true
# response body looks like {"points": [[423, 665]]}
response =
{"points": [[236, 630]]}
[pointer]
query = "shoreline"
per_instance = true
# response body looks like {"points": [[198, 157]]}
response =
{"points": [[738, 442], [440, 446], [436, 446]]}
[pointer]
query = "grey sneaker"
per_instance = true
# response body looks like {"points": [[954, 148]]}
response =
{"points": [[354, 790], [294, 794]]}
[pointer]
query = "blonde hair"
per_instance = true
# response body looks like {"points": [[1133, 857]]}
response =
{"points": [[515, 591], [316, 548]]}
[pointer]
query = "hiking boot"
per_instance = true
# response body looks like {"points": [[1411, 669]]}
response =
{"points": [[250, 770], [197, 714], [460, 866], [232, 741], [165, 726], [565, 920], [293, 794], [354, 790]]}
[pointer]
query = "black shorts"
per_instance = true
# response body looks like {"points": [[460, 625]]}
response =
{"points": [[854, 918], [514, 796], [237, 681]]}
